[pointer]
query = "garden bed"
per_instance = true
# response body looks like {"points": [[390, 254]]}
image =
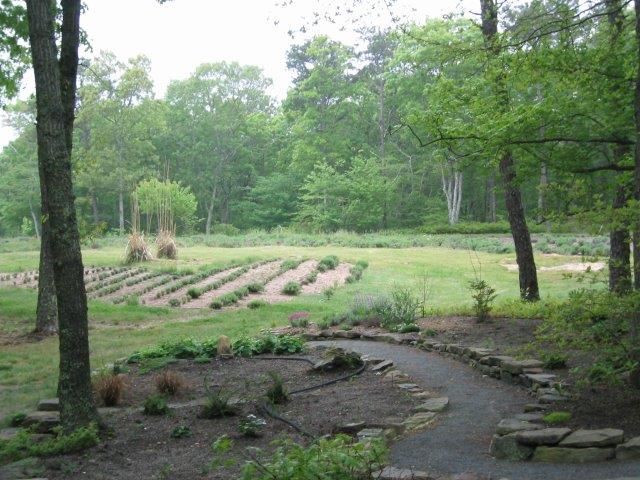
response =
{"points": [[142, 446]]}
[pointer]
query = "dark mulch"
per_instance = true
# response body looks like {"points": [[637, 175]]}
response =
{"points": [[141, 446]]}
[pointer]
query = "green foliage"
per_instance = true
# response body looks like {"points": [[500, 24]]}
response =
{"points": [[277, 393], [401, 309], [483, 296], [180, 348], [228, 299], [217, 404], [155, 404], [597, 322], [336, 458], [16, 419], [408, 328], [194, 292], [253, 304], [181, 431], [255, 287], [153, 194], [554, 418], [251, 426], [279, 344], [292, 288], [175, 302], [22, 445], [216, 304], [554, 360], [328, 263]]}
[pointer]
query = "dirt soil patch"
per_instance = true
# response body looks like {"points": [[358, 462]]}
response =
{"points": [[142, 447]]}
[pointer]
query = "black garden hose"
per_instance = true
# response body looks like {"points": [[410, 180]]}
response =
{"points": [[268, 410]]}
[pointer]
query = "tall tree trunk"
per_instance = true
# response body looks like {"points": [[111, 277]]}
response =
{"points": [[635, 320], [619, 257], [513, 197], [94, 207], [528, 276], [542, 195], [210, 207], [492, 204], [35, 220], [121, 211], [55, 99], [47, 307]]}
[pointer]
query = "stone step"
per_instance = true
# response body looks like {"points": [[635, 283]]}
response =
{"points": [[43, 422]]}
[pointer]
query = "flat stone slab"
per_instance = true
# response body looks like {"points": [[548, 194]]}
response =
{"points": [[393, 473], [552, 398], [419, 420], [535, 407], [369, 433], [44, 421], [516, 367], [629, 450], [407, 386], [534, 417], [349, 334], [593, 438], [477, 353], [49, 405], [496, 360], [351, 428], [507, 447], [511, 425], [396, 376], [382, 366], [544, 436], [433, 405], [572, 455], [541, 379]]}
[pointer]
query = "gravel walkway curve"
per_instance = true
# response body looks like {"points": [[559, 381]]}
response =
{"points": [[459, 441]]}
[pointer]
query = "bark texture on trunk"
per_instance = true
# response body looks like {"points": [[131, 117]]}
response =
{"points": [[54, 121], [492, 204], [121, 211], [513, 197], [528, 276], [635, 320], [47, 306], [94, 208]]}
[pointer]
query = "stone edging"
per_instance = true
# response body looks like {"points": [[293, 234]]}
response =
{"points": [[523, 437]]}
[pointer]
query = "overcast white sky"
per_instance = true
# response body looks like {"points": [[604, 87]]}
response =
{"points": [[182, 34]]}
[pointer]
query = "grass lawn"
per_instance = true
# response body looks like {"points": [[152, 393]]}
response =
{"points": [[28, 371]]}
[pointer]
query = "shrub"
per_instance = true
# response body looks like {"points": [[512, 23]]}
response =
{"points": [[216, 304], [155, 404], [181, 431], [483, 296], [329, 291], [326, 458], [168, 383], [408, 328], [228, 299], [277, 393], [290, 264], [194, 292], [553, 361], [255, 287], [556, 417], [217, 405], [241, 292], [292, 288], [311, 277], [132, 300], [363, 264], [23, 446], [174, 302], [400, 309], [328, 263], [299, 319], [108, 387], [253, 304], [251, 426], [286, 344], [16, 419]]}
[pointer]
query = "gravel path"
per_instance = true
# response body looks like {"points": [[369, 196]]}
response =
{"points": [[459, 442]]}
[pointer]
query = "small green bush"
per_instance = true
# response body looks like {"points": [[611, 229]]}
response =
{"points": [[174, 302], [16, 419], [292, 288], [216, 304], [22, 445], [194, 292], [228, 299], [554, 361], [255, 287], [408, 328], [326, 458], [155, 404], [217, 405], [483, 296], [277, 393], [556, 417], [253, 304], [181, 431], [251, 426], [328, 263]]}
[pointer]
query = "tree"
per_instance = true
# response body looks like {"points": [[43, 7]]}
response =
{"points": [[55, 81]]}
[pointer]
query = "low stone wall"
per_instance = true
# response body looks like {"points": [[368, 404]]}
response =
{"points": [[524, 437]]}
